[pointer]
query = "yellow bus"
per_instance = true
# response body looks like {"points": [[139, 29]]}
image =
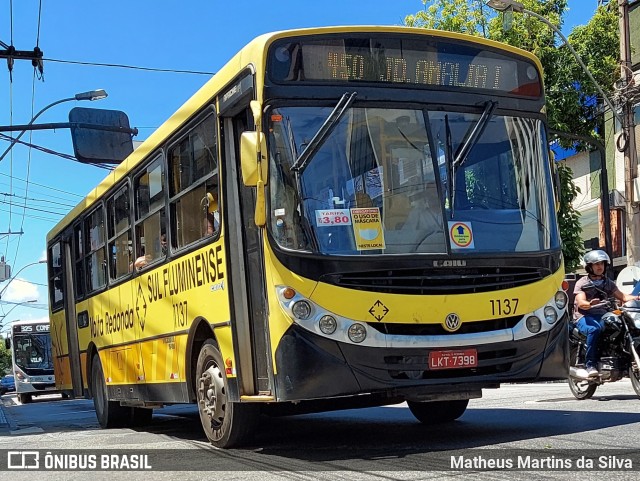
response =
{"points": [[340, 217]]}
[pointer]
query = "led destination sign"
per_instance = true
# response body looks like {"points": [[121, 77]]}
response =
{"points": [[426, 62]]}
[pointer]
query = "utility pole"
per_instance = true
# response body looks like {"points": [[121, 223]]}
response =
{"points": [[626, 142]]}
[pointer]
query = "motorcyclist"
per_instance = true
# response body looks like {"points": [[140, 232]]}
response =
{"points": [[590, 307]]}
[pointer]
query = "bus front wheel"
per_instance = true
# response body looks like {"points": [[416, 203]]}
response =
{"points": [[109, 413], [225, 423], [438, 412]]}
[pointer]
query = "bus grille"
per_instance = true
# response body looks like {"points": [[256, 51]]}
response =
{"points": [[437, 281], [399, 329]]}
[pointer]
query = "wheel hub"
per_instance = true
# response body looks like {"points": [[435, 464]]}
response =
{"points": [[212, 396]]}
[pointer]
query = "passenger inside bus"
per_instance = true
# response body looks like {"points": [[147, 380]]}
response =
{"points": [[144, 259]]}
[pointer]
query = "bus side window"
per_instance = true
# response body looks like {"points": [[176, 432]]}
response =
{"points": [[150, 218], [119, 233], [96, 257], [56, 293], [193, 186]]}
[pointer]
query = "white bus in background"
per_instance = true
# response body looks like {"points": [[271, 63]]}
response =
{"points": [[30, 344]]}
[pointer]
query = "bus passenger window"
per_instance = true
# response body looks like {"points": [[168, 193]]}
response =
{"points": [[193, 185], [150, 225], [96, 258]]}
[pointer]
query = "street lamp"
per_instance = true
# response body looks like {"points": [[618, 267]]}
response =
{"points": [[90, 95], [43, 261]]}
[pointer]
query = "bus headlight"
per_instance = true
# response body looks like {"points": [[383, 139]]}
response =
{"points": [[533, 324], [561, 299], [550, 314], [301, 309], [357, 333], [328, 324]]}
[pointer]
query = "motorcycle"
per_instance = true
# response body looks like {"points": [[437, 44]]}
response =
{"points": [[619, 348]]}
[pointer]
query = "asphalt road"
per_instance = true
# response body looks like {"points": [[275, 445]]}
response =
{"points": [[541, 421]]}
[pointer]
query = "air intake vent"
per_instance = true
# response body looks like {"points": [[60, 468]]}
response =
{"points": [[464, 280]]}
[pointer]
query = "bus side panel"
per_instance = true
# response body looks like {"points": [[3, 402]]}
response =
{"points": [[59, 344]]}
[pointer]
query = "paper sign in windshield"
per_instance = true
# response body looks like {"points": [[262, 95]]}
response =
{"points": [[367, 228], [333, 217]]}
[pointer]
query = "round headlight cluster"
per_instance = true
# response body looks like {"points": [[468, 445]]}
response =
{"points": [[550, 315], [328, 324], [533, 324], [357, 333], [561, 299], [301, 309]]}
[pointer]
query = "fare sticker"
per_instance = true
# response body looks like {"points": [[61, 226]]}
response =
{"points": [[367, 228], [461, 235]]}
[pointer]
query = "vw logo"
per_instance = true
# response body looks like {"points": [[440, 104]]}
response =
{"points": [[452, 322]]}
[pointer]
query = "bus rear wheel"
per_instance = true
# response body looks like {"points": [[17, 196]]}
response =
{"points": [[225, 423], [438, 412], [109, 413]]}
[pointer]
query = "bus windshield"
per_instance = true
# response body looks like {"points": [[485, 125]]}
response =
{"points": [[33, 351], [400, 181]]}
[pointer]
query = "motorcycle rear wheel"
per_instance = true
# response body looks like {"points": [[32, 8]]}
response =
{"points": [[581, 388]]}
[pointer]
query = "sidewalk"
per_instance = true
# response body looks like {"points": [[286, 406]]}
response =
{"points": [[5, 422]]}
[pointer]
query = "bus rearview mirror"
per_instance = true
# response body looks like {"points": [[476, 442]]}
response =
{"points": [[249, 157]]}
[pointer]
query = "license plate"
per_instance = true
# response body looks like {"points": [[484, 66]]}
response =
{"points": [[453, 359]]}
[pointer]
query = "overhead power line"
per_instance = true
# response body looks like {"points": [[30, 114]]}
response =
{"points": [[133, 67]]}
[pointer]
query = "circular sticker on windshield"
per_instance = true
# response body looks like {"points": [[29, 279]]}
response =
{"points": [[461, 235]]}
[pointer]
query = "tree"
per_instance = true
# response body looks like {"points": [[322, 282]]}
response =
{"points": [[572, 99], [569, 220], [5, 358]]}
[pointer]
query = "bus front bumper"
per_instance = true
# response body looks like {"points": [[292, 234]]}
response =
{"points": [[313, 367]]}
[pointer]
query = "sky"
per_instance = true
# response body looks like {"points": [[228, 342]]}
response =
{"points": [[37, 188]]}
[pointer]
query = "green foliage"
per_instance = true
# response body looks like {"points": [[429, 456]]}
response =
{"points": [[5, 359], [452, 15], [569, 220], [570, 92], [571, 95]]}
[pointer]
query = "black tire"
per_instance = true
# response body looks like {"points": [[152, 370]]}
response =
{"points": [[109, 413], [140, 417], [226, 424], [582, 388], [438, 412], [634, 372], [24, 398]]}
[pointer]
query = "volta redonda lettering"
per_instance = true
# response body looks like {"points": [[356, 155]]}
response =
{"points": [[185, 274], [111, 323]]}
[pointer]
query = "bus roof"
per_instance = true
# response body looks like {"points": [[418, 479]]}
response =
{"points": [[250, 55]]}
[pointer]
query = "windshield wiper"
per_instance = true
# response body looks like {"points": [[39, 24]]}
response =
{"points": [[323, 132], [448, 162], [470, 139], [473, 134]]}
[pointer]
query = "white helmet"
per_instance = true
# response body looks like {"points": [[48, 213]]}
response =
{"points": [[596, 256]]}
